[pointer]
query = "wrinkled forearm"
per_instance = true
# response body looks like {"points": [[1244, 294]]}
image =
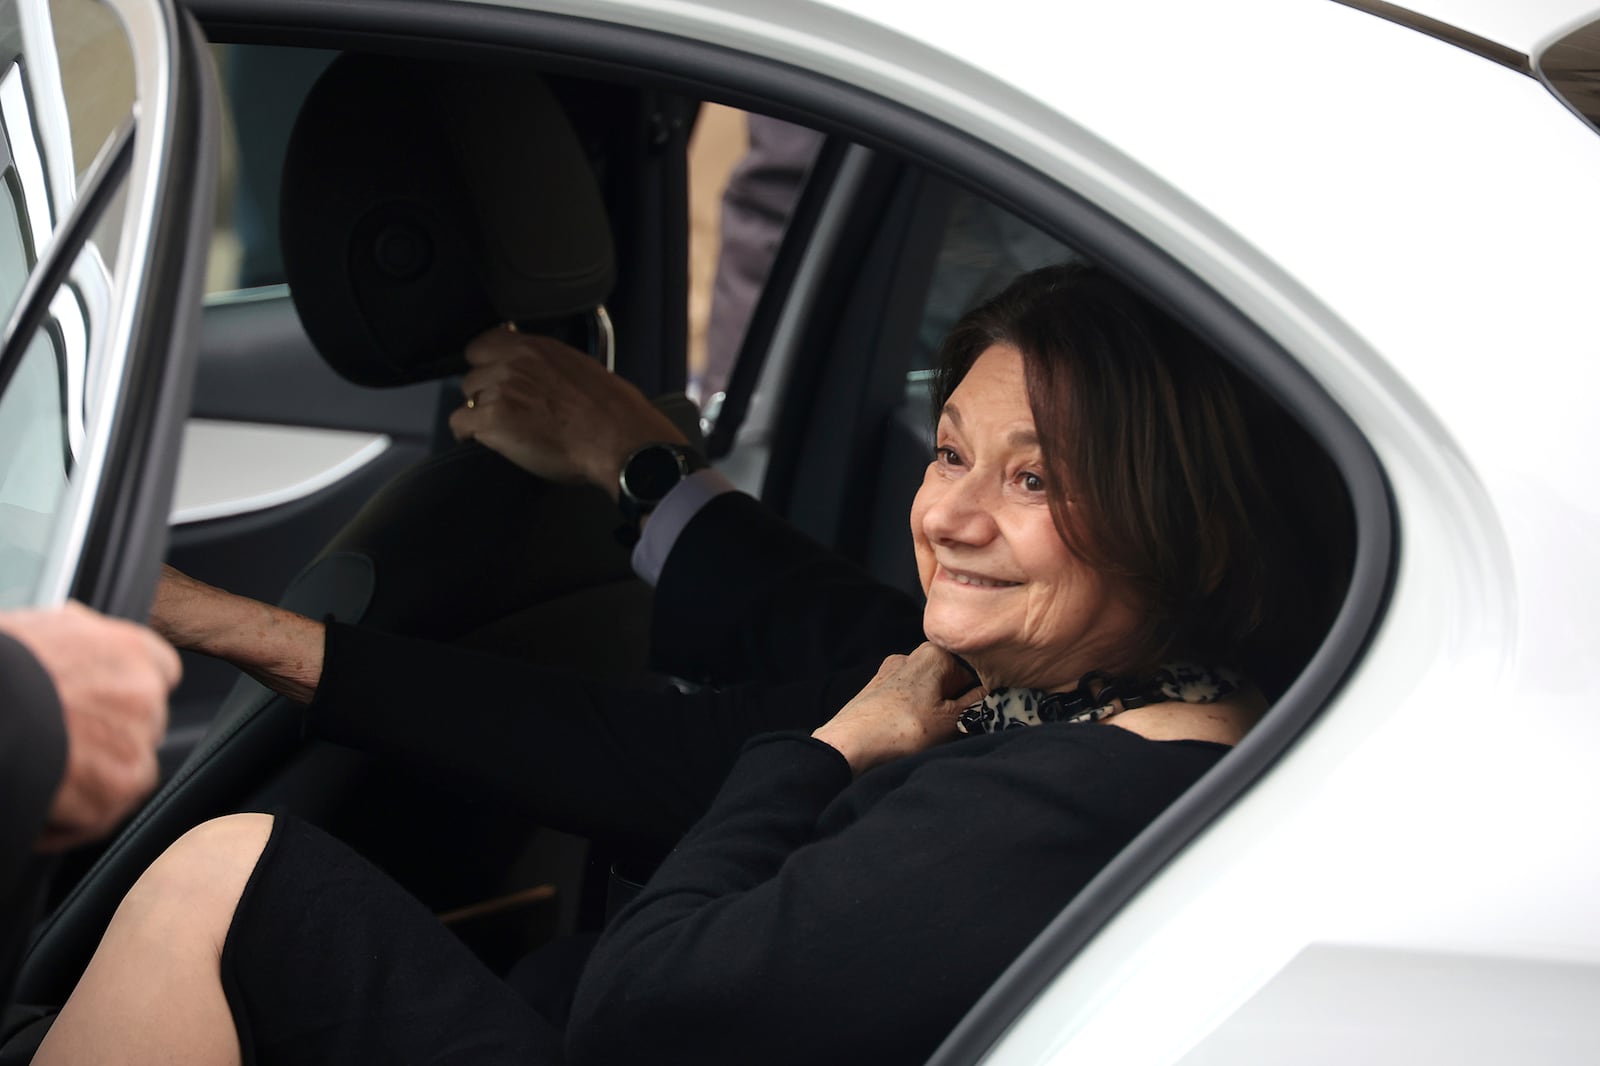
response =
{"points": [[279, 648]]}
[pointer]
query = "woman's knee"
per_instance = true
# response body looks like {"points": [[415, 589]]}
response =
{"points": [[237, 837], [203, 873]]}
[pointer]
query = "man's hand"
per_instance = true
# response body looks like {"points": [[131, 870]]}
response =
{"points": [[911, 704], [112, 678], [554, 411]]}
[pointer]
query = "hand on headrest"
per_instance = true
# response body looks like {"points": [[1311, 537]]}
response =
{"points": [[553, 410]]}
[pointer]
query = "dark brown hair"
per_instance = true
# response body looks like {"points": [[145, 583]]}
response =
{"points": [[1169, 473]]}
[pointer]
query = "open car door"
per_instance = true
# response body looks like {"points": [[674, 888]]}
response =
{"points": [[105, 211], [105, 196]]}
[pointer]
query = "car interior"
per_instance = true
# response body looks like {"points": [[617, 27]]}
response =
{"points": [[421, 159]]}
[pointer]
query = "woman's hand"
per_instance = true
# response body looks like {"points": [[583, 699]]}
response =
{"points": [[279, 648], [554, 411], [910, 705]]}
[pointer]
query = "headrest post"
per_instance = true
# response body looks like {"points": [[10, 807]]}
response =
{"points": [[603, 338]]}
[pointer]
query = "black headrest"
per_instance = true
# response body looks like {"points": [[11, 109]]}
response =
{"points": [[424, 202]]}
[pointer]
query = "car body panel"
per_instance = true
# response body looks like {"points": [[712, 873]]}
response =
{"points": [[1450, 262]]}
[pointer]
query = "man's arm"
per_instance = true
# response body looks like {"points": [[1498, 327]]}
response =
{"points": [[83, 705], [33, 755], [111, 679], [742, 595]]}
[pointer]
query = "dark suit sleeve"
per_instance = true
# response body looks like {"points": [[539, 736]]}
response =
{"points": [[628, 765], [33, 756], [744, 596]]}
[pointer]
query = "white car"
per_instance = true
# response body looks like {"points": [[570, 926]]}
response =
{"points": [[1388, 217]]}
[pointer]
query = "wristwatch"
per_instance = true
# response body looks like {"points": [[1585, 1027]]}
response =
{"points": [[649, 474]]}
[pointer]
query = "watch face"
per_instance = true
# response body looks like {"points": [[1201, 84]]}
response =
{"points": [[651, 473]]}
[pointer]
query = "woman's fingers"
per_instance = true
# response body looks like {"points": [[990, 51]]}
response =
{"points": [[946, 676], [911, 704], [890, 666]]}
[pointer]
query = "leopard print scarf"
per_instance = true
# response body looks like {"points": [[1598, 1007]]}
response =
{"points": [[1097, 698]]}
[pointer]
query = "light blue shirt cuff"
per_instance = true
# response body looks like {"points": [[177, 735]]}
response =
{"points": [[671, 515]]}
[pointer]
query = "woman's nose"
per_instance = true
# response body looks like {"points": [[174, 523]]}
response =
{"points": [[963, 513]]}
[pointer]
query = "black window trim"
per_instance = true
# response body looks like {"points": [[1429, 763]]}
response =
{"points": [[576, 45], [1569, 67], [1493, 51]]}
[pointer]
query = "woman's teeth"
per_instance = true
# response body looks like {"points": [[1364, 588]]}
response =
{"points": [[981, 582]]}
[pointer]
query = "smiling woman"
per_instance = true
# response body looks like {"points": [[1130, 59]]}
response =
{"points": [[778, 929], [1096, 489], [1004, 590]]}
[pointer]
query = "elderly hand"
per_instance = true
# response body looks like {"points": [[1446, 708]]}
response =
{"points": [[112, 678], [911, 704], [554, 411]]}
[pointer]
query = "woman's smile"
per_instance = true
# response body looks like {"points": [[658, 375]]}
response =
{"points": [[974, 580]]}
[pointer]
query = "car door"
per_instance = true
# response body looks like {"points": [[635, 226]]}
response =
{"points": [[105, 109]]}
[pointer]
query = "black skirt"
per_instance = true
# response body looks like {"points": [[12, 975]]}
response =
{"points": [[330, 961]]}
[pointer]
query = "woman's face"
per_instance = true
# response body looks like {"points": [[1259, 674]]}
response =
{"points": [[1003, 591]]}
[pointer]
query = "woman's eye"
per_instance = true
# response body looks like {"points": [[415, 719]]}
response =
{"points": [[1031, 481], [946, 456]]}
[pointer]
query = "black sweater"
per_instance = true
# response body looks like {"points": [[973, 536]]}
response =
{"points": [[807, 917]]}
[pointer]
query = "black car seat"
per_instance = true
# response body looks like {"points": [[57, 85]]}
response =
{"points": [[419, 208]]}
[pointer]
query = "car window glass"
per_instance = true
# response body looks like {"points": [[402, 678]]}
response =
{"points": [[66, 87], [746, 171], [983, 247], [262, 88], [32, 437], [14, 247]]}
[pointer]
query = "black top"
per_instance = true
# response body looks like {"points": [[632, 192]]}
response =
{"points": [[33, 756], [807, 917], [806, 913]]}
